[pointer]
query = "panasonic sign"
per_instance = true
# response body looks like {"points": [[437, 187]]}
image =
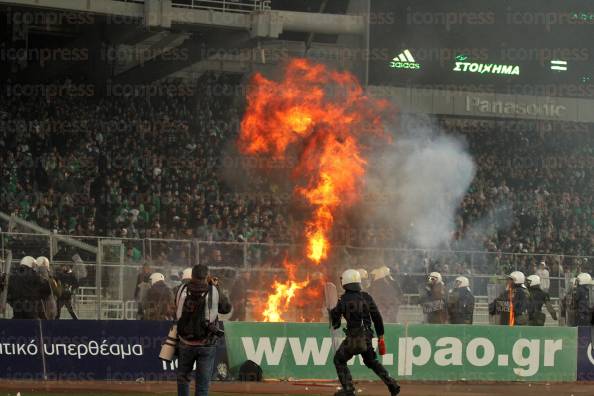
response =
{"points": [[476, 104]]}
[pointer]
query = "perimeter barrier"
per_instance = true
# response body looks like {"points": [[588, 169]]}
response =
{"points": [[415, 352], [121, 350]]}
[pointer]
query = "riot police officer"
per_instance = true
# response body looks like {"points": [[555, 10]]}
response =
{"points": [[434, 302], [581, 300], [538, 298], [461, 302], [359, 310], [26, 290], [512, 305], [386, 293], [365, 282]]}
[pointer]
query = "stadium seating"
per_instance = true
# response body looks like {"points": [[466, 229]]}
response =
{"points": [[159, 167]]}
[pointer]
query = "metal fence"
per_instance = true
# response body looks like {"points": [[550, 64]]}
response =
{"points": [[108, 268], [241, 6]]}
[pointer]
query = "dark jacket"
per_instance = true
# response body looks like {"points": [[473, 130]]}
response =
{"points": [[26, 290], [69, 284], [158, 303], [581, 305], [461, 306], [435, 304], [502, 306], [359, 310], [538, 298]]}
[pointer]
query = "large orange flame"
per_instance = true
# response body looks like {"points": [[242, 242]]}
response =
{"points": [[324, 114], [279, 301], [284, 292]]}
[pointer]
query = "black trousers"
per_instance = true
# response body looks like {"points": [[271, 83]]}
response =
{"points": [[24, 315], [25, 309], [345, 353], [68, 303]]}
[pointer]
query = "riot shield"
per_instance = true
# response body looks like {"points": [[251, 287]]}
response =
{"points": [[591, 297], [562, 307], [330, 300], [493, 291], [570, 314]]}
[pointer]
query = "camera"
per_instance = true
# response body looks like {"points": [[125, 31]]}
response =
{"points": [[214, 329], [213, 280]]}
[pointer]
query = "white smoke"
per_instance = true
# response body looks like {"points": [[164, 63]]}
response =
{"points": [[425, 174]]}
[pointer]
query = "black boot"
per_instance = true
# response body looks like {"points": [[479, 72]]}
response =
{"points": [[383, 374], [342, 392], [343, 372], [394, 388]]}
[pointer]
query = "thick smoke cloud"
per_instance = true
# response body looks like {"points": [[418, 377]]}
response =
{"points": [[425, 174]]}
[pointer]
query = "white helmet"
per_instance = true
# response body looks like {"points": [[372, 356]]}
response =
{"points": [[583, 279], [42, 262], [518, 277], [533, 280], [28, 261], [381, 273], [462, 281], [156, 277], [350, 276], [364, 274], [187, 273], [435, 276]]}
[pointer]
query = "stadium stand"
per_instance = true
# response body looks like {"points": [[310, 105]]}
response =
{"points": [[141, 167]]}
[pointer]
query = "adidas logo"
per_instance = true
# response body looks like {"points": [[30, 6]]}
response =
{"points": [[404, 60]]}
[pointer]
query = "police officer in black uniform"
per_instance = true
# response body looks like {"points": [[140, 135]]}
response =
{"points": [[581, 300], [461, 302], [513, 304], [27, 290], [434, 300], [538, 298], [359, 310]]}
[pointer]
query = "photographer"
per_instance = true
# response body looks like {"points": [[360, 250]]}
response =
{"points": [[198, 304]]}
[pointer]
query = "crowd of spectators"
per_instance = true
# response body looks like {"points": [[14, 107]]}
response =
{"points": [[533, 192], [131, 167], [159, 167]]}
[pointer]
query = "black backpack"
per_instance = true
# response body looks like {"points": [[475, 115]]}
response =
{"points": [[250, 372], [193, 325]]}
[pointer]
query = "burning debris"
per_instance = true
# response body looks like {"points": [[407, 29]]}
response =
{"points": [[326, 117], [280, 301]]}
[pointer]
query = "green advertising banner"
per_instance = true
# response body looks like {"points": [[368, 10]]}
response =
{"points": [[415, 352]]}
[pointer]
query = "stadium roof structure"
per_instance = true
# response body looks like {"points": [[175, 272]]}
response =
{"points": [[197, 29]]}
